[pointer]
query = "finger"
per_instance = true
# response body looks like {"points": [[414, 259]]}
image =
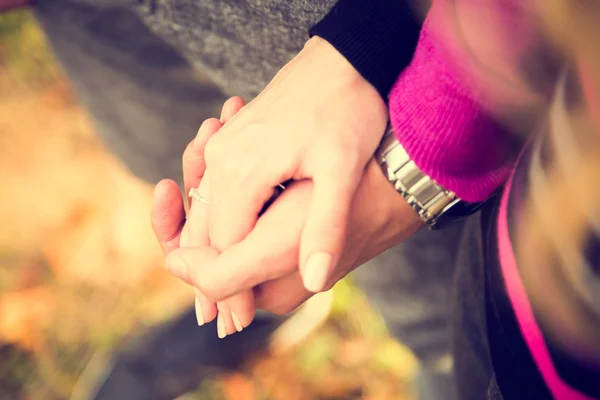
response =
{"points": [[270, 251], [193, 162], [196, 232], [198, 258], [167, 215], [193, 156], [229, 322], [237, 198], [197, 221], [168, 218], [225, 323], [221, 326], [236, 312], [324, 234], [241, 311], [206, 310], [231, 107], [283, 295]]}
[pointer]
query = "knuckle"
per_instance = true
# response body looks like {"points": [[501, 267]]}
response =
{"points": [[243, 173], [212, 293], [328, 286], [336, 161], [213, 150], [188, 149], [231, 167], [187, 154], [342, 150], [219, 238], [276, 302], [232, 101], [232, 171], [207, 287], [282, 308]]}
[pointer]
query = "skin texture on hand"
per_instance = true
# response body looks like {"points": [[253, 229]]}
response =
{"points": [[317, 120], [267, 259]]}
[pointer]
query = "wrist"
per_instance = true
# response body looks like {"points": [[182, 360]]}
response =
{"points": [[335, 70], [377, 37], [333, 62], [394, 219], [446, 130], [434, 204]]}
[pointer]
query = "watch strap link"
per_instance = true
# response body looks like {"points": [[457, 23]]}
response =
{"points": [[423, 194]]}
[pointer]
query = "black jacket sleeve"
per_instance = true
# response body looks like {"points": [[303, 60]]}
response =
{"points": [[378, 37]]}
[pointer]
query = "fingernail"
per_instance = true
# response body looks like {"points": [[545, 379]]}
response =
{"points": [[317, 271], [176, 266], [221, 327], [236, 322], [199, 316]]}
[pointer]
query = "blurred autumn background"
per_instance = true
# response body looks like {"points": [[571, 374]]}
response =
{"points": [[80, 272]]}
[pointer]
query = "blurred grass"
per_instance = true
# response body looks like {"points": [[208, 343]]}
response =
{"points": [[70, 290]]}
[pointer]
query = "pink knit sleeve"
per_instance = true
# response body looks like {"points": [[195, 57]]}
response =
{"points": [[445, 106]]}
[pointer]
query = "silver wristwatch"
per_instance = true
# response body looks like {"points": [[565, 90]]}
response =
{"points": [[435, 205]]}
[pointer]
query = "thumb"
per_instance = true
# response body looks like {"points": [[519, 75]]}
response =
{"points": [[324, 234], [168, 215], [190, 263]]}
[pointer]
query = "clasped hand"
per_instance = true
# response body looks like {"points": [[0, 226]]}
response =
{"points": [[317, 123]]}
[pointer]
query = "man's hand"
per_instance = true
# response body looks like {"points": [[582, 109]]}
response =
{"points": [[317, 120], [267, 259]]}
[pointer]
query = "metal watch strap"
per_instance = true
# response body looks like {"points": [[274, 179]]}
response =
{"points": [[423, 194]]}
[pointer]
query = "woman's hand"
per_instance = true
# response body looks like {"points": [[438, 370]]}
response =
{"points": [[318, 120], [267, 259]]}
